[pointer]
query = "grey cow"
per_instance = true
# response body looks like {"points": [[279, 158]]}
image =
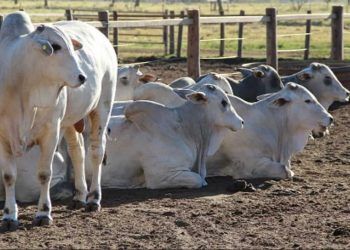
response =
{"points": [[256, 81]]}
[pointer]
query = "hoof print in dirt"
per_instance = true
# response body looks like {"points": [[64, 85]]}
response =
{"points": [[341, 231], [8, 225], [76, 205], [241, 185], [92, 207], [42, 221]]}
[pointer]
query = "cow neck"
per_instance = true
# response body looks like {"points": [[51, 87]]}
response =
{"points": [[197, 131], [290, 139], [28, 95]]}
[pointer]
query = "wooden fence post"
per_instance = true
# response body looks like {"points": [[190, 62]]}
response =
{"points": [[1, 20], [172, 35], [337, 52], [271, 38], [115, 33], [240, 36], [165, 33], [179, 36], [193, 54], [104, 17], [307, 37], [222, 36], [69, 15]]}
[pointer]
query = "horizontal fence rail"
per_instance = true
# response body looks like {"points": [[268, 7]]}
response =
{"points": [[104, 21]]}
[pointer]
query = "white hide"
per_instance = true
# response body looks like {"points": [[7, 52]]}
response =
{"points": [[128, 80]]}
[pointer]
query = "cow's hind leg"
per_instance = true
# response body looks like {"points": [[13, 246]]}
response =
{"points": [[9, 219], [174, 179], [95, 153], [76, 150]]}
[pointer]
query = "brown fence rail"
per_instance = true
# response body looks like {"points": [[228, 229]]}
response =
{"points": [[105, 22]]}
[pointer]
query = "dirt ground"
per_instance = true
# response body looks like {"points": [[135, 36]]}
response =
{"points": [[310, 211]]}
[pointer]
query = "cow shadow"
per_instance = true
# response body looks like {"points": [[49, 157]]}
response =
{"points": [[216, 186]]}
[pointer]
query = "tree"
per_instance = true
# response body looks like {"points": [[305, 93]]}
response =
{"points": [[298, 4]]}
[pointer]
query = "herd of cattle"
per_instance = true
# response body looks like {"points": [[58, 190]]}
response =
{"points": [[65, 105]]}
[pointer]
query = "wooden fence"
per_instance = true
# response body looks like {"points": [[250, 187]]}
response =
{"points": [[193, 20]]}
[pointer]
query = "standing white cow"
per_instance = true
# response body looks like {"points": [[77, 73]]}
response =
{"points": [[276, 128], [36, 67], [167, 147]]}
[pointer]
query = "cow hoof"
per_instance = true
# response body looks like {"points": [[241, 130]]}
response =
{"points": [[42, 221], [8, 225], [92, 207], [76, 205]]}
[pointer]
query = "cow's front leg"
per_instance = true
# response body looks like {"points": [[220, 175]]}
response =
{"points": [[48, 144], [9, 174]]}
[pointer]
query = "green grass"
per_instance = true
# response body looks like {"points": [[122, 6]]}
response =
{"points": [[253, 45]]}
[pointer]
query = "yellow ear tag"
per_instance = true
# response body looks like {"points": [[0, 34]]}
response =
{"points": [[44, 47]]}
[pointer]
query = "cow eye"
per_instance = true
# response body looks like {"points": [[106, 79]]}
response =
{"points": [[56, 47], [308, 101], [327, 80], [224, 103]]}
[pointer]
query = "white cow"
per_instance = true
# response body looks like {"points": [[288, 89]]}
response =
{"points": [[321, 81], [36, 67], [209, 78], [161, 147], [275, 129], [128, 80]]}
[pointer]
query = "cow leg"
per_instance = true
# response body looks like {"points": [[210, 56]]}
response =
{"points": [[173, 179], [271, 169], [48, 146], [76, 151], [9, 174], [95, 155]]}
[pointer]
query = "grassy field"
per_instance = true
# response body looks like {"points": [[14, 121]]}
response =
{"points": [[254, 34]]}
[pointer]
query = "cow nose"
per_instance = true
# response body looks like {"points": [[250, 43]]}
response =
{"points": [[82, 79]]}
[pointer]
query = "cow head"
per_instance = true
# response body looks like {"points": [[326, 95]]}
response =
{"points": [[263, 78], [54, 56], [128, 80], [321, 81], [218, 107], [300, 107], [217, 80]]}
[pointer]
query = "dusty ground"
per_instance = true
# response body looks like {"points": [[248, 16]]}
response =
{"points": [[311, 211]]}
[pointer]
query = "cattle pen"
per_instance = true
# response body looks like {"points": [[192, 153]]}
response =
{"points": [[193, 20]]}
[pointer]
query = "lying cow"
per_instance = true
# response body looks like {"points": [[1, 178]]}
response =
{"points": [[168, 147], [275, 129], [35, 104], [176, 150], [256, 81], [209, 78], [321, 81], [128, 80]]}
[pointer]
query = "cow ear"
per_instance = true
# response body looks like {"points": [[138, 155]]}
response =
{"points": [[264, 96], [197, 97], [304, 76], [184, 92], [259, 73], [245, 72], [76, 44], [280, 101]]}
